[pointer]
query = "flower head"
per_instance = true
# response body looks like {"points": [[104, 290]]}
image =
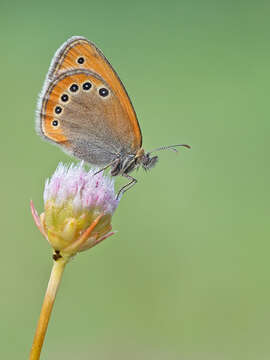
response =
{"points": [[78, 208]]}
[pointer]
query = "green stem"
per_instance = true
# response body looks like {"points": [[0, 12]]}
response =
{"points": [[53, 285]]}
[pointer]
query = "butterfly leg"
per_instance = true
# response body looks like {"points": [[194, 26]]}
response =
{"points": [[128, 186], [106, 167]]}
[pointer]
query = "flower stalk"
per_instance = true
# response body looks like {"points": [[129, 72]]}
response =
{"points": [[46, 310], [78, 207]]}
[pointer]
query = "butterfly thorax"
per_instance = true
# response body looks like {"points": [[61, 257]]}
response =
{"points": [[126, 163]]}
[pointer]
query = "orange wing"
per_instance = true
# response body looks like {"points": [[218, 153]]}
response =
{"points": [[80, 53]]}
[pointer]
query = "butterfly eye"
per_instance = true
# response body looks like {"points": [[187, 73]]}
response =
{"points": [[64, 97], [55, 123], [74, 88], [80, 60], [103, 92], [58, 109], [87, 85]]}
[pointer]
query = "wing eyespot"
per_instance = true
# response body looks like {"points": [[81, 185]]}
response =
{"points": [[87, 85], [103, 92], [55, 123], [74, 88], [80, 60], [64, 97], [58, 109]]}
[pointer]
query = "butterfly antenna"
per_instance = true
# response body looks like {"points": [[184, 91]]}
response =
{"points": [[171, 147]]}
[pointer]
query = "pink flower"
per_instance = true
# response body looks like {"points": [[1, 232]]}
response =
{"points": [[78, 209]]}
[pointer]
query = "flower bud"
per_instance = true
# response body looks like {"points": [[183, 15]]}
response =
{"points": [[78, 209]]}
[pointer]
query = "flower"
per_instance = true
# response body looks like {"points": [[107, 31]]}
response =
{"points": [[78, 209]]}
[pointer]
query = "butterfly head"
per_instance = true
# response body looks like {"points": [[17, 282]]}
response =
{"points": [[148, 161], [144, 159]]}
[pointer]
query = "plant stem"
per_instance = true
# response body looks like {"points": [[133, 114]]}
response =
{"points": [[54, 282]]}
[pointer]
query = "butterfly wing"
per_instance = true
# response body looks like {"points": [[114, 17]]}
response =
{"points": [[80, 53], [78, 111]]}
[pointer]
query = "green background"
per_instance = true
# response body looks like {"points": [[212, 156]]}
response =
{"points": [[187, 274]]}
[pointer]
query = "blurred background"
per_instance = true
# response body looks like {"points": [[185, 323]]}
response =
{"points": [[187, 274]]}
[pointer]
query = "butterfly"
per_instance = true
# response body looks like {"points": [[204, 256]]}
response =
{"points": [[85, 109]]}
